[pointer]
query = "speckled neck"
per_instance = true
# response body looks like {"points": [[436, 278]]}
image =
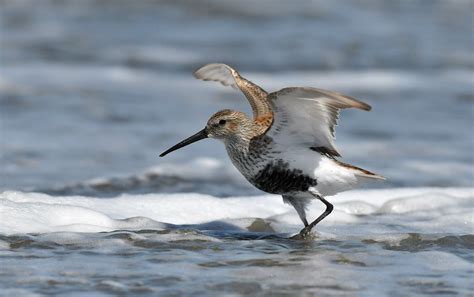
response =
{"points": [[249, 155]]}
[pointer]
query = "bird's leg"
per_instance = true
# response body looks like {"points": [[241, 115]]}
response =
{"points": [[329, 207], [299, 204]]}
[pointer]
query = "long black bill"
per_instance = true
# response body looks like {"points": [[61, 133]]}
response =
{"points": [[196, 137]]}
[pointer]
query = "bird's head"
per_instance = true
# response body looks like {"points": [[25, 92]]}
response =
{"points": [[225, 125]]}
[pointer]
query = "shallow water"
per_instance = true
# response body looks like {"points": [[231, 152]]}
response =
{"points": [[92, 91], [377, 242], [189, 262]]}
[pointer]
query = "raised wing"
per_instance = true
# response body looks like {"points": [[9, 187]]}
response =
{"points": [[256, 96], [308, 116], [218, 72]]}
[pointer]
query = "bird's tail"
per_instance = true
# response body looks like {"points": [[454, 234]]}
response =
{"points": [[359, 171]]}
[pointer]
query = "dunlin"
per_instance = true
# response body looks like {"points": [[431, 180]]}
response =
{"points": [[288, 147]]}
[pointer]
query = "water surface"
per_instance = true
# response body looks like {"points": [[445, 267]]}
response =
{"points": [[92, 91]]}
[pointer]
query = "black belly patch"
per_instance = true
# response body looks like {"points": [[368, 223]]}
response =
{"points": [[277, 178]]}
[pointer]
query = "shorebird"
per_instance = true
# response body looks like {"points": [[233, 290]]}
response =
{"points": [[288, 147]]}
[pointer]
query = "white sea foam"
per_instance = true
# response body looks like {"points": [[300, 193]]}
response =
{"points": [[426, 210]]}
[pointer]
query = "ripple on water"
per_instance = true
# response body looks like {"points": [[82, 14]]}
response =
{"points": [[430, 287], [164, 262], [243, 288], [461, 245]]}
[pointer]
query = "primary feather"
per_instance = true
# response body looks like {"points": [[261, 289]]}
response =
{"points": [[308, 116], [217, 72]]}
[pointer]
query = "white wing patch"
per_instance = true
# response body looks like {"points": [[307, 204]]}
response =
{"points": [[308, 116], [217, 72]]}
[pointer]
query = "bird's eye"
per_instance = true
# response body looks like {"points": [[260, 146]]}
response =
{"points": [[222, 122]]}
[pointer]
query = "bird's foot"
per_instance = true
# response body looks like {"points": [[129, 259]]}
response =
{"points": [[304, 234]]}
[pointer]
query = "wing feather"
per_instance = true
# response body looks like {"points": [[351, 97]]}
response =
{"points": [[217, 72], [308, 116], [257, 97]]}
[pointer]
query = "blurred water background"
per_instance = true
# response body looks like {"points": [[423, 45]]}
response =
{"points": [[97, 89], [92, 91]]}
